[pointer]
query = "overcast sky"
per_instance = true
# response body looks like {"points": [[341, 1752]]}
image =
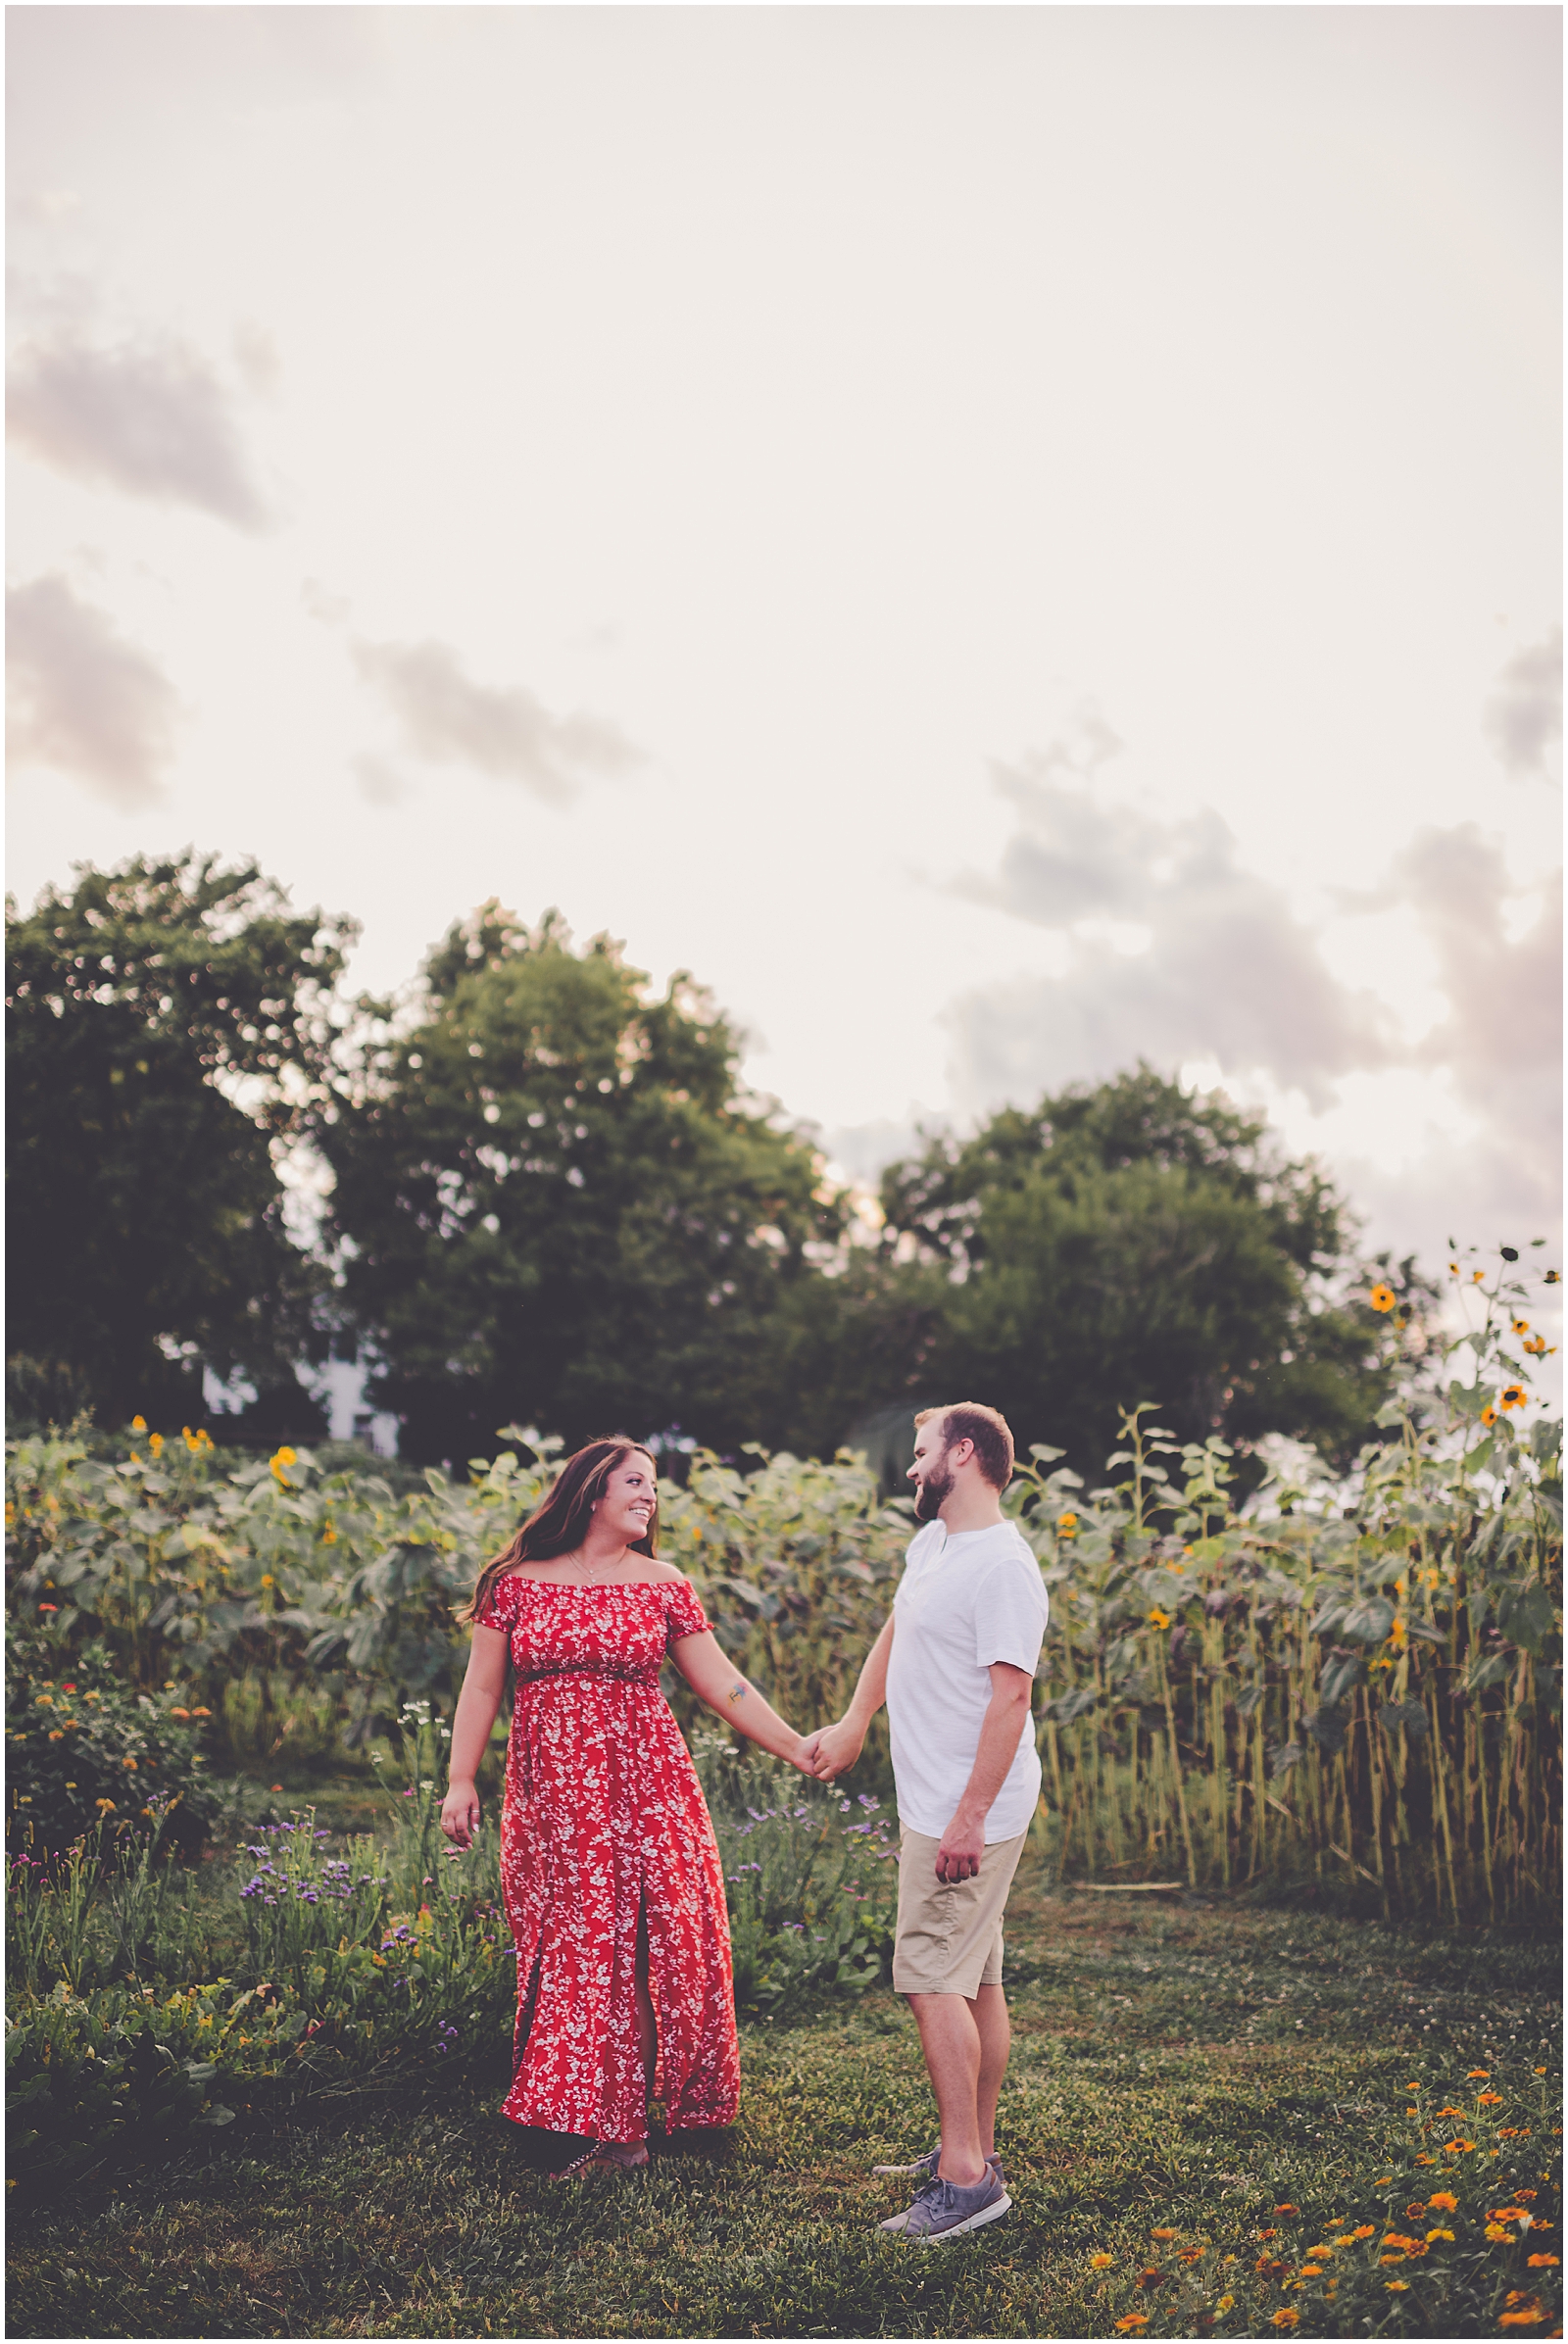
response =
{"points": [[1004, 540]]}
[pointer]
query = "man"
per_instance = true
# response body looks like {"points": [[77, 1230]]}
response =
{"points": [[954, 1663]]}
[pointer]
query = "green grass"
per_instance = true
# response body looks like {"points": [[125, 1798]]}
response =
{"points": [[1178, 2064]]}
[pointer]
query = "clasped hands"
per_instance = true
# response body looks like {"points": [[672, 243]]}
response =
{"points": [[832, 1749]]}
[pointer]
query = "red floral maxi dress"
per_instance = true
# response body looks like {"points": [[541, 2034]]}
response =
{"points": [[604, 1827]]}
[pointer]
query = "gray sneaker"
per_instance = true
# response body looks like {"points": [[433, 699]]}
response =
{"points": [[924, 2171], [944, 2211]]}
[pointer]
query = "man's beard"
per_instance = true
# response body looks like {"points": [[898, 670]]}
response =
{"points": [[931, 1495]]}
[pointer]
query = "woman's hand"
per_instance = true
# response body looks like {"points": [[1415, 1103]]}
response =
{"points": [[459, 1813]]}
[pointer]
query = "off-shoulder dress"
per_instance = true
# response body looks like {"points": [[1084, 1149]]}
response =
{"points": [[604, 1832]]}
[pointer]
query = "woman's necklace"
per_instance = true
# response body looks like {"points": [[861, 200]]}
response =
{"points": [[583, 1570]]}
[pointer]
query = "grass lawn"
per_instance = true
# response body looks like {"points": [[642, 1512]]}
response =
{"points": [[1180, 2066]]}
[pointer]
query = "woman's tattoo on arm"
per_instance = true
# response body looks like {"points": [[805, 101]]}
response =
{"points": [[737, 1692]]}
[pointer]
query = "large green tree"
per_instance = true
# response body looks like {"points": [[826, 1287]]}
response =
{"points": [[553, 1205], [1130, 1242], [166, 1025]]}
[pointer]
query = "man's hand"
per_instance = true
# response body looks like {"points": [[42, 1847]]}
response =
{"points": [[963, 1843], [837, 1748], [459, 1813]]}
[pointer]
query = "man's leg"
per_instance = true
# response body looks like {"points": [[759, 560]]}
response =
{"points": [[995, 2028], [950, 2040]]}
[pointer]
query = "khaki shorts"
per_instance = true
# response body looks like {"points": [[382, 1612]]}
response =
{"points": [[949, 1938]]}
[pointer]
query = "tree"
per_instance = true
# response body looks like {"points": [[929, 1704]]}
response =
{"points": [[553, 1205], [1129, 1241], [165, 1027]]}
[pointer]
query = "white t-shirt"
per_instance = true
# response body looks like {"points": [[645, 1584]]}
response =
{"points": [[962, 1603]]}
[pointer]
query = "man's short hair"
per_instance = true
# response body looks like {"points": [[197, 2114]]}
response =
{"points": [[987, 1428]]}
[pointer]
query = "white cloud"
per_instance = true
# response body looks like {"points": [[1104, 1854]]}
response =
{"points": [[82, 699], [1429, 1080], [1176, 951], [150, 417], [1522, 716], [508, 733]]}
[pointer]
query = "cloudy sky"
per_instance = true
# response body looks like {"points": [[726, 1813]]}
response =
{"points": [[1006, 539]]}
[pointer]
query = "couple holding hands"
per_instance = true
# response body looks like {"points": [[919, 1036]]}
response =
{"points": [[610, 1872]]}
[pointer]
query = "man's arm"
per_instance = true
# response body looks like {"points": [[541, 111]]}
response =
{"points": [[838, 1746], [964, 1842]]}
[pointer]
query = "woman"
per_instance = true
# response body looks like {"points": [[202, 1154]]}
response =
{"points": [[609, 1867]]}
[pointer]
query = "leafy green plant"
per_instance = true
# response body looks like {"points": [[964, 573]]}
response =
{"points": [[80, 1746], [810, 1880]]}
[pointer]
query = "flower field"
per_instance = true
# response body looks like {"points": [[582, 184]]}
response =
{"points": [[1353, 1686]]}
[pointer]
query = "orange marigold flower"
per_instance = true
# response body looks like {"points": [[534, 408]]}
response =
{"points": [[1526, 2316], [1450, 2111], [1478, 2075], [1162, 2234], [1397, 2286], [1514, 1396], [1489, 2100], [1286, 2319], [1457, 2148], [1287, 2209], [1131, 2322], [1540, 2262], [1489, 1417], [1444, 2201], [1100, 2262], [1382, 1298], [1366, 2230]]}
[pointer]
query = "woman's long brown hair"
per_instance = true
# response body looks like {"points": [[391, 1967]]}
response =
{"points": [[560, 1520]]}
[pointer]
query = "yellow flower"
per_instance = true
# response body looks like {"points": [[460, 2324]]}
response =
{"points": [[56, 1733], [1431, 2234], [1066, 1526], [1476, 1277], [1382, 1298], [1540, 2262], [1162, 2234], [1288, 2317], [1489, 2100], [1158, 1618], [1514, 1396], [1397, 2286], [1133, 2320], [1489, 1416], [1100, 2262], [104, 1806], [1226, 2303], [268, 1580], [180, 1713], [1444, 2202], [138, 1424], [282, 1461], [156, 1444], [1498, 2229], [1521, 1326], [1399, 1634]]}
